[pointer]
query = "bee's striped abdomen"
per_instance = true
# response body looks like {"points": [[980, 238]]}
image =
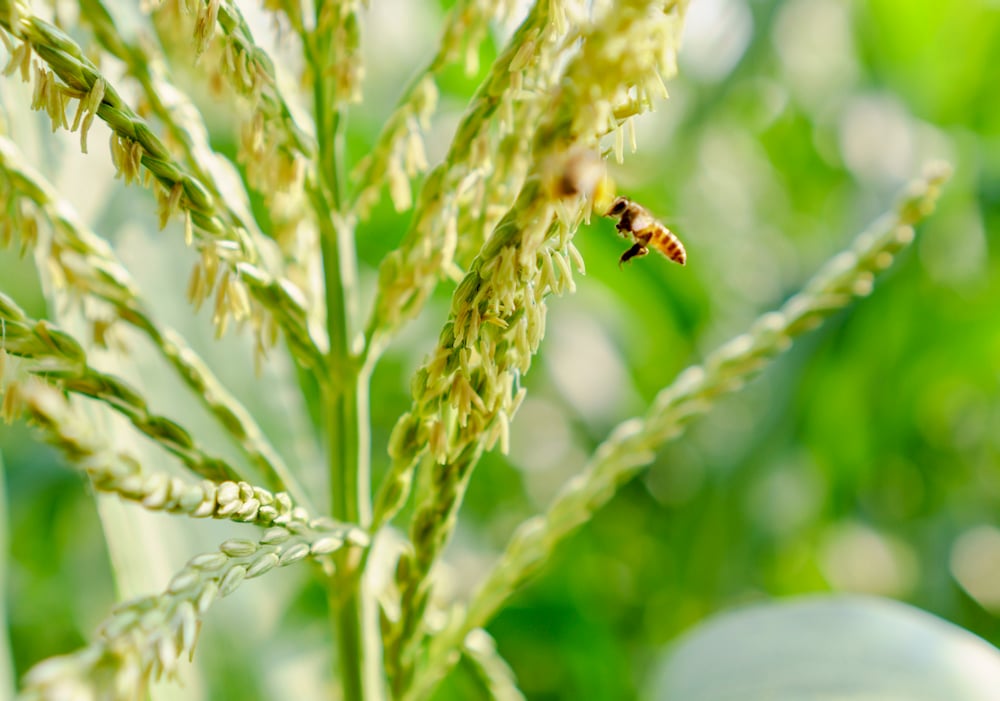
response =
{"points": [[667, 243]]}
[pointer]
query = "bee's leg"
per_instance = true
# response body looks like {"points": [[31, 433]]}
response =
{"points": [[624, 224], [638, 250]]}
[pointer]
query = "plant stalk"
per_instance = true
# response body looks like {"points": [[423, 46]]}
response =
{"points": [[344, 390], [6, 658]]}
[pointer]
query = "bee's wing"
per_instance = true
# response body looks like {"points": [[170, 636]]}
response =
{"points": [[641, 219]]}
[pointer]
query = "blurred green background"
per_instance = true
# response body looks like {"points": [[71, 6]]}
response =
{"points": [[865, 460]]}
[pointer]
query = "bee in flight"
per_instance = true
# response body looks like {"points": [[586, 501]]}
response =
{"points": [[636, 222]]}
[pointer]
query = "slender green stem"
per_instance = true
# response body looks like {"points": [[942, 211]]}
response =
{"points": [[345, 386], [6, 659]]}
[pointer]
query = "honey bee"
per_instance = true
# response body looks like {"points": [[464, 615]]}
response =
{"points": [[636, 222]]}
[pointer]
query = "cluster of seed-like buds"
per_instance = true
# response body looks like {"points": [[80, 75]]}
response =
{"points": [[273, 148], [145, 639], [231, 264], [399, 155], [120, 473], [468, 390], [510, 98]]}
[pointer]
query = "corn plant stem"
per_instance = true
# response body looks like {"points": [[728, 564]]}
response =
{"points": [[344, 387], [344, 429], [346, 415], [6, 659]]}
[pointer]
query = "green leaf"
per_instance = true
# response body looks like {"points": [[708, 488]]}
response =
{"points": [[846, 648]]}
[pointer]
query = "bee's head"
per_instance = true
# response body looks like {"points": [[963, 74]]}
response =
{"points": [[618, 207]]}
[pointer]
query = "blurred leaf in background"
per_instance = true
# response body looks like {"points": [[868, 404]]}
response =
{"points": [[846, 647]]}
